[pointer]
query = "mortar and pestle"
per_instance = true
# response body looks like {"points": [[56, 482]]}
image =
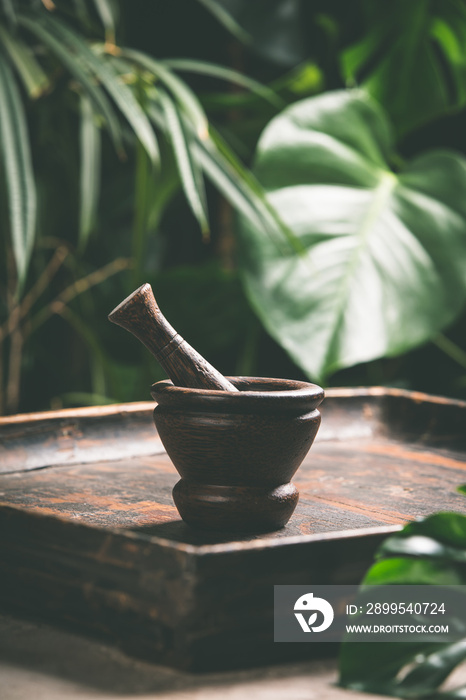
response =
{"points": [[236, 442]]}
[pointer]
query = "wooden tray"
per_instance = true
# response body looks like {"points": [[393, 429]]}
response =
{"points": [[90, 537]]}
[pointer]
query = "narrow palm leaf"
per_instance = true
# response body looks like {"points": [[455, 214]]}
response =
{"points": [[227, 20], [105, 12], [81, 11], [80, 72], [144, 178], [230, 183], [90, 171], [182, 93], [17, 163], [190, 175], [110, 79], [219, 171], [34, 79], [267, 211], [238, 191], [223, 73], [234, 181], [9, 10]]}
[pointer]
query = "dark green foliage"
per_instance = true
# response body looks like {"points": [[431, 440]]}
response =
{"points": [[86, 90], [431, 551], [111, 173], [412, 58]]}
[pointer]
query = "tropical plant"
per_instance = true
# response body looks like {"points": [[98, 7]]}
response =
{"points": [[410, 56], [98, 140], [411, 59], [53, 64], [385, 240], [104, 76], [429, 552]]}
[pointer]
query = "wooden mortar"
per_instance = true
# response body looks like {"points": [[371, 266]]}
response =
{"points": [[237, 452], [236, 442]]}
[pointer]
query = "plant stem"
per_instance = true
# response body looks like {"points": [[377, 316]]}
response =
{"points": [[96, 354], [140, 212], [226, 243], [2, 407], [451, 349], [42, 283], [247, 361], [78, 287], [14, 370]]}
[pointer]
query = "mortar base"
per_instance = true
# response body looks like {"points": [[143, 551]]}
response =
{"points": [[235, 508]]}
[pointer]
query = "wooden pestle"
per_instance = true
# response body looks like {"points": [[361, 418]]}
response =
{"points": [[141, 316]]}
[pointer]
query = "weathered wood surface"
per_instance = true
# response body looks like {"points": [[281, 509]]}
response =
{"points": [[195, 607], [363, 483], [62, 438], [99, 546]]}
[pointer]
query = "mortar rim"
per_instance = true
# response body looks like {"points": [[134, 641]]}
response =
{"points": [[295, 395]]}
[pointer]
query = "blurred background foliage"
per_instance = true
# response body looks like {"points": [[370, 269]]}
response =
{"points": [[128, 137]]}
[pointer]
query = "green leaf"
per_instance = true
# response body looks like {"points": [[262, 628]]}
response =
{"points": [[81, 11], [227, 20], [34, 79], [180, 91], [275, 227], [9, 11], [90, 171], [420, 569], [231, 183], [143, 185], [373, 668], [82, 398], [19, 176], [229, 177], [215, 71], [386, 252], [105, 12], [80, 71], [274, 28], [431, 670], [457, 354], [432, 552], [412, 59], [104, 71], [447, 528], [190, 174], [423, 546]]}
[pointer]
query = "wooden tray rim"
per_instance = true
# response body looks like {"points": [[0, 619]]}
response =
{"points": [[202, 550], [143, 406]]}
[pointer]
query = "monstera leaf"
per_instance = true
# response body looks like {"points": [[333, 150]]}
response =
{"points": [[381, 262]]}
